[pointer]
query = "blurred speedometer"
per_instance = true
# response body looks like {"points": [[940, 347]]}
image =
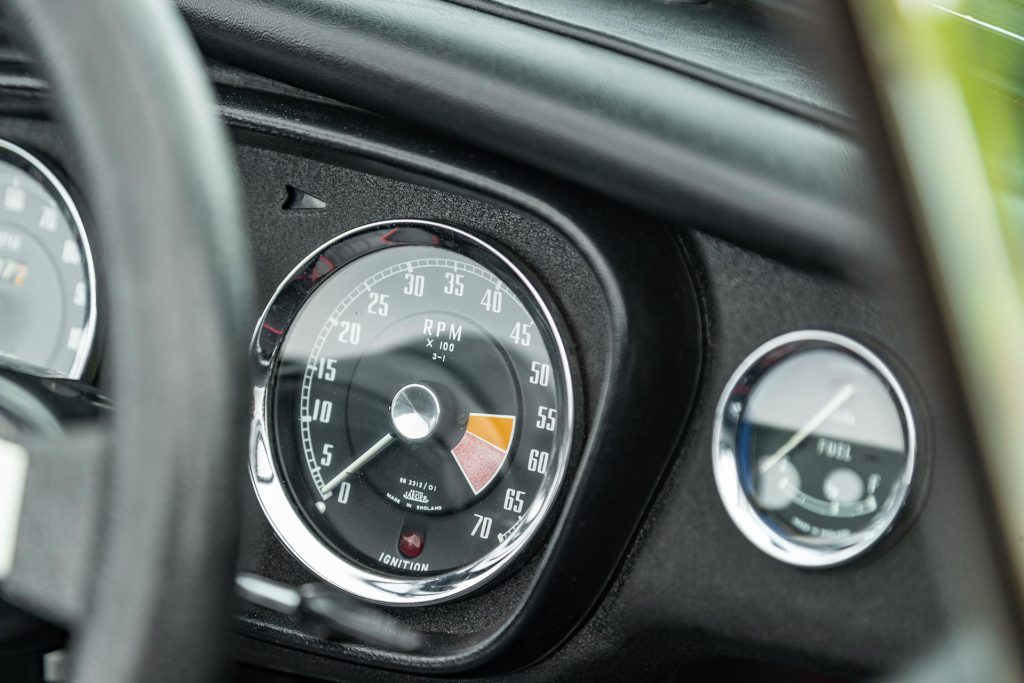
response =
{"points": [[47, 280]]}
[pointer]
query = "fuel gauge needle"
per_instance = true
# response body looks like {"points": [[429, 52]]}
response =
{"points": [[372, 452], [824, 413]]}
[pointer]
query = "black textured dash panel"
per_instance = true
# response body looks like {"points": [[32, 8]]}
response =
{"points": [[604, 267]]}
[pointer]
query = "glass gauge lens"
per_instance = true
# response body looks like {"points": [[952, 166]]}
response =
{"points": [[814, 448], [47, 298], [419, 411]]}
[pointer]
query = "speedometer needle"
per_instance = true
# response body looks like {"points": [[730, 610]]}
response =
{"points": [[824, 413], [366, 457]]}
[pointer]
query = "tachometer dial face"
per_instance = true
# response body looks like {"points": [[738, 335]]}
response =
{"points": [[418, 411], [47, 282], [814, 448]]}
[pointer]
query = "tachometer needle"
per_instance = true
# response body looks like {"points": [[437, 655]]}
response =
{"points": [[366, 457], [824, 413]]}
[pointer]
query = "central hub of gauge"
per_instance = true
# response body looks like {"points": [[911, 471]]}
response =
{"points": [[415, 412]]}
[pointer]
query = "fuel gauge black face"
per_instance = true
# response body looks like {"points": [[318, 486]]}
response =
{"points": [[814, 448]]}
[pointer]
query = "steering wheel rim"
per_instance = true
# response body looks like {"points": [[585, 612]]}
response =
{"points": [[161, 182]]}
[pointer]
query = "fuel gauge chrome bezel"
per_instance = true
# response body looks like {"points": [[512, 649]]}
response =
{"points": [[728, 418]]}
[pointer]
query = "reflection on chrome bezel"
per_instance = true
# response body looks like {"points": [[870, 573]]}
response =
{"points": [[726, 466], [287, 521], [26, 161]]}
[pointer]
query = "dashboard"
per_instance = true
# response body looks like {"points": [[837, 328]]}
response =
{"points": [[537, 421]]}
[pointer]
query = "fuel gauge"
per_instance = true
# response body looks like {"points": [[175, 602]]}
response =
{"points": [[814, 448]]}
